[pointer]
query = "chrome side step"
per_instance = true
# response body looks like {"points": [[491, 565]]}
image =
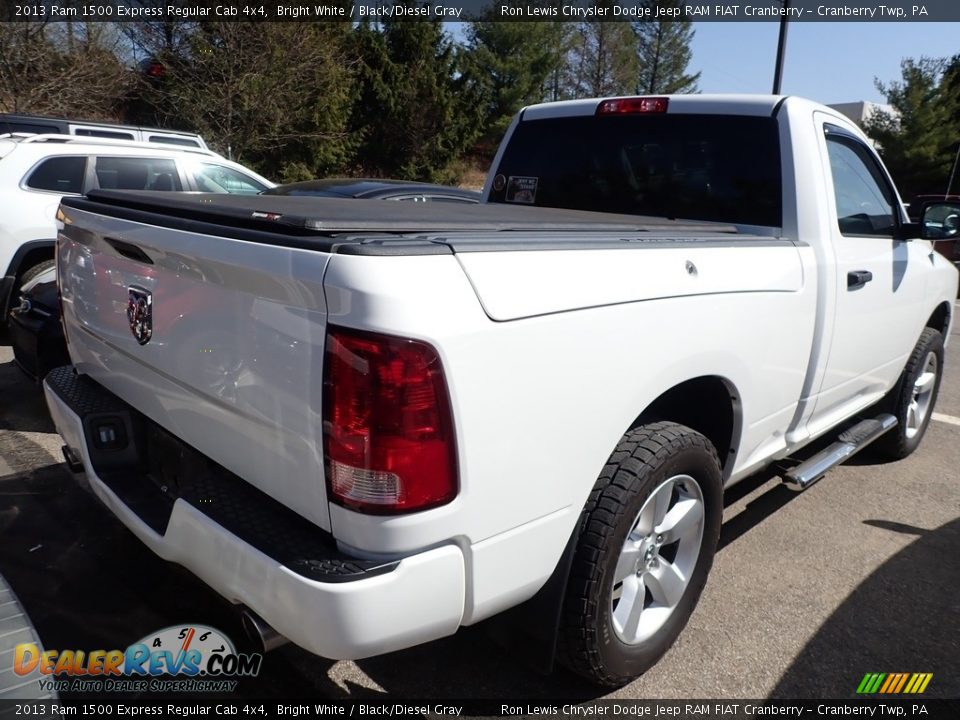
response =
{"points": [[848, 444]]}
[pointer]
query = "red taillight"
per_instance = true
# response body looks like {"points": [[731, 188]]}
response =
{"points": [[154, 69], [387, 430], [633, 106]]}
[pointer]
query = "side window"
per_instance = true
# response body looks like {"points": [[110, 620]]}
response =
{"points": [[219, 179], [27, 127], [168, 140], [59, 174], [103, 134], [865, 202], [128, 173]]}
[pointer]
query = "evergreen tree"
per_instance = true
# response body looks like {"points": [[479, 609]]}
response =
{"points": [[510, 65], [663, 52], [918, 142], [417, 113]]}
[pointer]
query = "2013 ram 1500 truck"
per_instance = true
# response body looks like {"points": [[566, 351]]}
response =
{"points": [[374, 423]]}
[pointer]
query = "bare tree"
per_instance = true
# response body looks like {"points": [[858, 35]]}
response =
{"points": [[263, 91], [70, 70]]}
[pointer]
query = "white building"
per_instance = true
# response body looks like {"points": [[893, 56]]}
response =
{"points": [[860, 111]]}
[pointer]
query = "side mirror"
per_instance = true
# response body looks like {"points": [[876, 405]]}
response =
{"points": [[940, 221]]}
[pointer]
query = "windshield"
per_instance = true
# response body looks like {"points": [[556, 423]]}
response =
{"points": [[696, 167]]}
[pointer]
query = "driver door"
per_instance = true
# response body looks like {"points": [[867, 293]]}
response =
{"points": [[879, 281]]}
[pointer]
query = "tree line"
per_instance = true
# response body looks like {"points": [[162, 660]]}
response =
{"points": [[302, 100], [399, 99], [920, 140]]}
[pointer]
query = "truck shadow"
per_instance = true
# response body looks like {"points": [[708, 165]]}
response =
{"points": [[756, 510], [905, 617], [88, 583], [22, 406]]}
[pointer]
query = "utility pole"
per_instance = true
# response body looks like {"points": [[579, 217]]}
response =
{"points": [[781, 48], [953, 174]]}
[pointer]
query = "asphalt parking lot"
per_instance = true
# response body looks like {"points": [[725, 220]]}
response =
{"points": [[809, 591]]}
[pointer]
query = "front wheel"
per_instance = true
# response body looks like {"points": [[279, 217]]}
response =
{"points": [[913, 398], [34, 270], [646, 544]]}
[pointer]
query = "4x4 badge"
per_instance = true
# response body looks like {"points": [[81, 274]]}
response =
{"points": [[140, 314]]}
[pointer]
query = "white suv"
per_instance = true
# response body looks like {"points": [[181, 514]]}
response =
{"points": [[37, 170]]}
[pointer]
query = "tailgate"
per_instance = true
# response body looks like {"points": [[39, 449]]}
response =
{"points": [[219, 341]]}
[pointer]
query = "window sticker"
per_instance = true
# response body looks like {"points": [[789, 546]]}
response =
{"points": [[521, 190]]}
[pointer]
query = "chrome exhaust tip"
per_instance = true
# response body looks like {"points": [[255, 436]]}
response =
{"points": [[73, 461], [260, 632]]}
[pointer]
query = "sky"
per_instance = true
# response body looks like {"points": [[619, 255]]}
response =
{"points": [[826, 62]]}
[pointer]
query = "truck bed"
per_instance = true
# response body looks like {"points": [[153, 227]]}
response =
{"points": [[395, 228]]}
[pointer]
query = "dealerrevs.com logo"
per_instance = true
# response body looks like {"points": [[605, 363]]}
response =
{"points": [[180, 658]]}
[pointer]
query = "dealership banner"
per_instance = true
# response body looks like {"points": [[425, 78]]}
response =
{"points": [[890, 11]]}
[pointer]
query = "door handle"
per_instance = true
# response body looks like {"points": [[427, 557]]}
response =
{"points": [[858, 278]]}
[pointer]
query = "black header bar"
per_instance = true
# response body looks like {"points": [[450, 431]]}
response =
{"points": [[891, 11], [908, 708]]}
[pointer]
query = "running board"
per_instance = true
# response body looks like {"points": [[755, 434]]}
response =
{"points": [[848, 444]]}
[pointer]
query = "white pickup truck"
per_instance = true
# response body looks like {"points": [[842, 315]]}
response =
{"points": [[369, 424]]}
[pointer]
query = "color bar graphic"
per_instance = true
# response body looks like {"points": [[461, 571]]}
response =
{"points": [[894, 683]]}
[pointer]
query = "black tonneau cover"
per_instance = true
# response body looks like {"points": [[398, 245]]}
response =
{"points": [[384, 227]]}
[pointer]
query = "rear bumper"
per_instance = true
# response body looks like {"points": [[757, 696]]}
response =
{"points": [[330, 604]]}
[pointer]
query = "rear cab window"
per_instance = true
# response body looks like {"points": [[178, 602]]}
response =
{"points": [[59, 174], [720, 168]]}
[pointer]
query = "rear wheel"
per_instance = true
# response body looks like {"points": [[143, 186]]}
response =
{"points": [[646, 544], [913, 398]]}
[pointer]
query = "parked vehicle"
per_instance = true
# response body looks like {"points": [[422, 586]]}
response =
{"points": [[35, 329], [403, 190], [43, 125], [386, 421], [915, 208], [36, 332], [37, 170]]}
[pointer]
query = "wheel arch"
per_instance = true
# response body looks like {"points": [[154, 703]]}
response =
{"points": [[28, 254], [709, 404], [939, 319]]}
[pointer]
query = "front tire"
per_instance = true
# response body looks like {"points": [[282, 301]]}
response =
{"points": [[34, 270], [913, 398], [647, 539]]}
